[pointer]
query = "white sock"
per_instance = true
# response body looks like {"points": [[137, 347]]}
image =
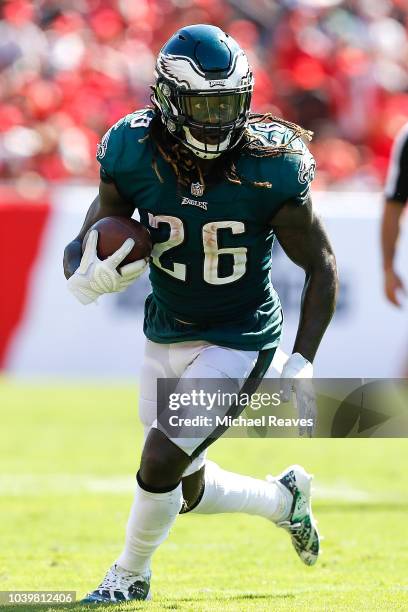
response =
{"points": [[228, 492], [150, 520]]}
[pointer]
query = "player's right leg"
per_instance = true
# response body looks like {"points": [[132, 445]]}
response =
{"points": [[158, 495]]}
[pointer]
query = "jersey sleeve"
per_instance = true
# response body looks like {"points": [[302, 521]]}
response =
{"points": [[297, 172], [109, 151], [396, 187], [122, 147], [290, 172]]}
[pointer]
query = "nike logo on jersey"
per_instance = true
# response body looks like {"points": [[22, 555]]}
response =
{"points": [[188, 202]]}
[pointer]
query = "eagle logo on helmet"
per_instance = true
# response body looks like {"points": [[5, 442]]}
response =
{"points": [[182, 71]]}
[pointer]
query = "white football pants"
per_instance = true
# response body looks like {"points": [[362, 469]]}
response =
{"points": [[190, 360]]}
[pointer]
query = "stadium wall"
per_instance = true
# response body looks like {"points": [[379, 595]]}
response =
{"points": [[44, 332]]}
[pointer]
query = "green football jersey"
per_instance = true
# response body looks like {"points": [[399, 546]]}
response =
{"points": [[211, 260]]}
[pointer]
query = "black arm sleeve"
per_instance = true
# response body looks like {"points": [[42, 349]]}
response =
{"points": [[396, 187]]}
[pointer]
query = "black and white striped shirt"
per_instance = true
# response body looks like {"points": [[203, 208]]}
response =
{"points": [[396, 186]]}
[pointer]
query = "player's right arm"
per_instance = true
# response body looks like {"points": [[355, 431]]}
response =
{"points": [[88, 276], [396, 197], [107, 203]]}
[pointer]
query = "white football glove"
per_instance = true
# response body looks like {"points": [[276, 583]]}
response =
{"points": [[297, 374], [95, 276]]}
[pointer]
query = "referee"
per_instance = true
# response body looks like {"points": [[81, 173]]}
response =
{"points": [[396, 197]]}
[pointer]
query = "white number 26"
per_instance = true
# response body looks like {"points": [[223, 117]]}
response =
{"points": [[212, 252]]}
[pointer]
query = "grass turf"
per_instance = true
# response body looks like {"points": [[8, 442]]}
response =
{"points": [[67, 458]]}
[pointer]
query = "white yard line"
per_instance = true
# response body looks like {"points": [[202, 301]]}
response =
{"points": [[60, 484], [72, 484], [345, 492]]}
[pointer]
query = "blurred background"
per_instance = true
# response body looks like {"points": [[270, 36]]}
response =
{"points": [[69, 70], [68, 373]]}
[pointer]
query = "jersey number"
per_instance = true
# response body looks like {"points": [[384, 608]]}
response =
{"points": [[210, 246]]}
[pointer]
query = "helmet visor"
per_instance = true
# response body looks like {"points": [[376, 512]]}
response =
{"points": [[214, 110]]}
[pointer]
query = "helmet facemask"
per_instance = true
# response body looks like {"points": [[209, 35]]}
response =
{"points": [[207, 122], [214, 122]]}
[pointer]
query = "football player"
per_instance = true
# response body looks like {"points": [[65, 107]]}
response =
{"points": [[214, 184]]}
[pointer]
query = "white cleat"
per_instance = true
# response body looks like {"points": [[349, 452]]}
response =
{"points": [[119, 586], [300, 523]]}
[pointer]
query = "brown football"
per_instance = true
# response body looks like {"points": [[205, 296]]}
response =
{"points": [[112, 233]]}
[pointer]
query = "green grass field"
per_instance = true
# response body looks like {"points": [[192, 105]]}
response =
{"points": [[68, 457]]}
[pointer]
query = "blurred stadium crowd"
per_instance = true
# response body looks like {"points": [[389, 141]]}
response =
{"points": [[69, 69]]}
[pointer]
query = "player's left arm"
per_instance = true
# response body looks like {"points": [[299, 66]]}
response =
{"points": [[303, 238]]}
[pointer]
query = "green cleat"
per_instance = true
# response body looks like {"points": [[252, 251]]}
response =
{"points": [[300, 523]]}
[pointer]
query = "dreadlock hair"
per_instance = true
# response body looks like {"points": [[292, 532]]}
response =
{"points": [[187, 170]]}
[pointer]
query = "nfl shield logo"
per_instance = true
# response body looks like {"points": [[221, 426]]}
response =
{"points": [[197, 189]]}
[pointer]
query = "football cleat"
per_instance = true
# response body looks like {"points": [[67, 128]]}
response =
{"points": [[300, 523], [118, 586]]}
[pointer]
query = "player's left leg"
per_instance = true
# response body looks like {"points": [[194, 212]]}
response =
{"points": [[212, 490], [285, 500]]}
